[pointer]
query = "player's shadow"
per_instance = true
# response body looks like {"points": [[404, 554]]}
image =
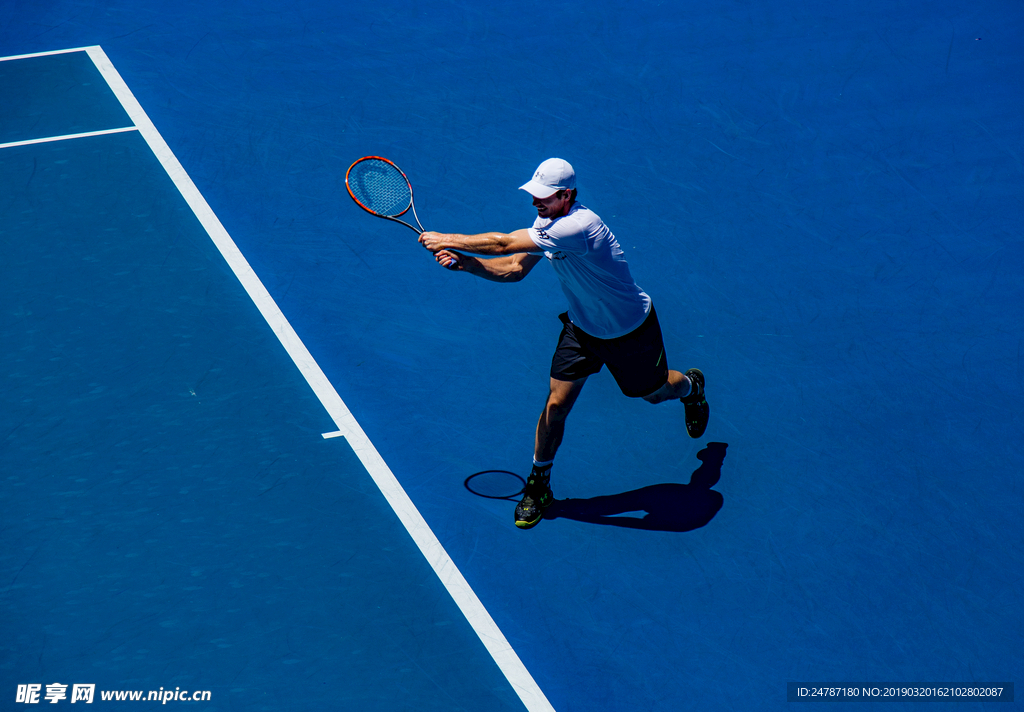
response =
{"points": [[669, 507]]}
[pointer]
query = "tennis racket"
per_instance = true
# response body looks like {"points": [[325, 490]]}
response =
{"points": [[380, 188]]}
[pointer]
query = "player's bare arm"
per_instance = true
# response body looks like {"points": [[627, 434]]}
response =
{"points": [[510, 268], [493, 244]]}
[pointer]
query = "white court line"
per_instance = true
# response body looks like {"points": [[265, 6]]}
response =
{"points": [[335, 434], [43, 54], [67, 137], [464, 596]]}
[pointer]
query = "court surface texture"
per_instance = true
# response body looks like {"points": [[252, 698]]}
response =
{"points": [[242, 421]]}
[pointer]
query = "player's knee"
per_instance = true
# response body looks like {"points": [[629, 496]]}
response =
{"points": [[557, 408]]}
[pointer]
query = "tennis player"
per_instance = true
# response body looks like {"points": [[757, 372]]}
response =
{"points": [[610, 319]]}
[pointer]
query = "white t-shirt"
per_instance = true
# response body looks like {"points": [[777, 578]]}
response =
{"points": [[604, 300]]}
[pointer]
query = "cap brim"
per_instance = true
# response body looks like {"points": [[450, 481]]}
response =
{"points": [[538, 190]]}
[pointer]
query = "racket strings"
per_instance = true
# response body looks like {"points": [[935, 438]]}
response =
{"points": [[380, 187]]}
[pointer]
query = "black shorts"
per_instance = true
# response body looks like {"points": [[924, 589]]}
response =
{"points": [[637, 360]]}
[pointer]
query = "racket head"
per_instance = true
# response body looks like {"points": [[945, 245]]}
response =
{"points": [[379, 187]]}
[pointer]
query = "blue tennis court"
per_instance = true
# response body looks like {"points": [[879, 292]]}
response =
{"points": [[241, 418]]}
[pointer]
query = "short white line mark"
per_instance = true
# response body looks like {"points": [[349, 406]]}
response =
{"points": [[68, 137], [43, 54]]}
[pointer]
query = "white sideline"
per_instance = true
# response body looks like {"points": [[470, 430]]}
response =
{"points": [[484, 626]]}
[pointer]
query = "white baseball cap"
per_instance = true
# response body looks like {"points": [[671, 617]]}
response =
{"points": [[550, 177]]}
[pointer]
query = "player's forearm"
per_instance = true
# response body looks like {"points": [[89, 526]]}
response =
{"points": [[488, 243], [499, 269]]}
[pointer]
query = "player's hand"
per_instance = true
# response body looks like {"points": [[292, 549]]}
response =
{"points": [[433, 241], [449, 260]]}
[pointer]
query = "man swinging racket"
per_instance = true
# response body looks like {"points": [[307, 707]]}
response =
{"points": [[610, 319]]}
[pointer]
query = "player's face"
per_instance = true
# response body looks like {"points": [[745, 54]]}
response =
{"points": [[554, 206]]}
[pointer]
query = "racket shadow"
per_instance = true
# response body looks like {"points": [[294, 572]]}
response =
{"points": [[669, 507], [496, 484]]}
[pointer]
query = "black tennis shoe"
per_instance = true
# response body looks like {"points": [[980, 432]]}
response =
{"points": [[697, 410], [537, 497]]}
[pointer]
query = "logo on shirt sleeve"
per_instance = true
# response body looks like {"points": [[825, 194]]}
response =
{"points": [[559, 255]]}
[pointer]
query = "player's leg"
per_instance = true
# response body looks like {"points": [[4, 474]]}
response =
{"points": [[677, 386], [571, 364], [551, 425], [640, 367], [689, 389], [695, 404], [537, 495]]}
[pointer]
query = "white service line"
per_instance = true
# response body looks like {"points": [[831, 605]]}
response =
{"points": [[466, 599], [67, 137]]}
